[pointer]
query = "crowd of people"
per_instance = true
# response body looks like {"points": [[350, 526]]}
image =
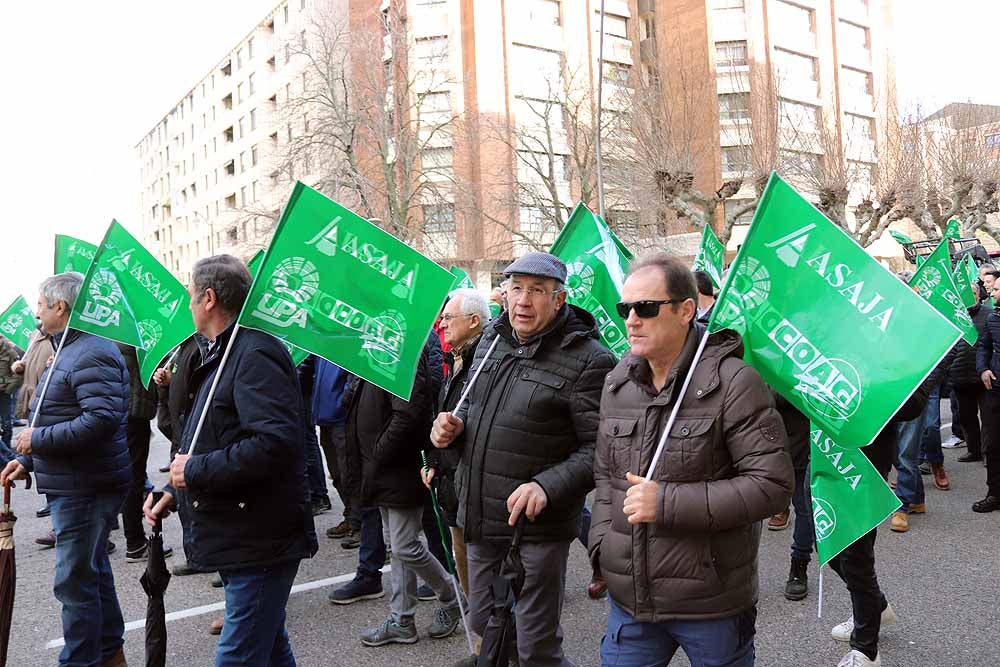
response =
{"points": [[517, 414]]}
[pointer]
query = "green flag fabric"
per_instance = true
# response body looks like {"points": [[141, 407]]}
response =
{"points": [[934, 281], [298, 354], [711, 256], [17, 323], [952, 230], [971, 270], [961, 277], [900, 237], [129, 297], [849, 497], [826, 325], [73, 254], [462, 279], [339, 287], [596, 265]]}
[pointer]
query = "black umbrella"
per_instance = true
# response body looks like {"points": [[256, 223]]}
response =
{"points": [[500, 637], [8, 571], [154, 580]]}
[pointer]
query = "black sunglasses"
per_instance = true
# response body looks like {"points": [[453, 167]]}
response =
{"points": [[644, 309]]}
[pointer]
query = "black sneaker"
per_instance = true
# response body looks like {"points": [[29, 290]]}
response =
{"points": [[183, 570], [925, 468], [797, 586], [969, 458], [44, 512], [356, 590], [987, 504], [425, 593], [112, 547], [141, 555], [321, 505], [352, 541]]}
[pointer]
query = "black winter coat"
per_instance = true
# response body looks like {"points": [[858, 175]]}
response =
{"points": [[797, 427], [963, 365], [247, 498], [174, 409], [988, 347], [386, 434], [142, 401], [532, 416], [79, 446]]}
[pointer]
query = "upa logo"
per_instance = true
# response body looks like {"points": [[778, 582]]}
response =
{"points": [[751, 284], [824, 518], [101, 306], [579, 280], [150, 332], [294, 282]]}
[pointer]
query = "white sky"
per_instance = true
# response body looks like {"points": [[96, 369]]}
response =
{"points": [[83, 82]]}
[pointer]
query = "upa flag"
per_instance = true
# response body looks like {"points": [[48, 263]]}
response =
{"points": [[711, 256], [934, 281], [961, 277], [129, 297], [849, 497], [596, 266], [339, 287], [73, 254], [17, 323], [952, 229], [826, 325], [900, 237], [298, 354], [462, 279]]}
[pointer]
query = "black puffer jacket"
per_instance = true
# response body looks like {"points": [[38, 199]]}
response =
{"points": [[386, 434], [963, 365], [532, 416], [142, 401], [988, 347], [177, 397], [79, 447], [797, 428]]}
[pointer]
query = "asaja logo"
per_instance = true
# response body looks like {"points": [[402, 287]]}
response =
{"points": [[295, 278], [151, 332], [579, 280], [824, 518], [101, 306]]}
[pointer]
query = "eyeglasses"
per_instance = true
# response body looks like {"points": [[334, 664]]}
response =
{"points": [[515, 291], [644, 309], [449, 317]]}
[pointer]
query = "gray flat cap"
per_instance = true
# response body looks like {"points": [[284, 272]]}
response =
{"points": [[538, 264]]}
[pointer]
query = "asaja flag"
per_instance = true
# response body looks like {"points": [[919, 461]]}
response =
{"points": [[961, 277], [73, 254], [129, 297], [298, 354], [849, 497], [339, 287], [934, 281], [596, 266], [952, 229], [462, 279], [711, 256], [17, 323], [826, 325], [900, 237], [971, 270]]}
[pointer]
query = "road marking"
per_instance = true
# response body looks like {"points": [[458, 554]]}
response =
{"points": [[219, 606]]}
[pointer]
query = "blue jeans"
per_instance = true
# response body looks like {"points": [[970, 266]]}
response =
{"points": [[803, 535], [6, 427], [930, 442], [371, 554], [723, 642], [253, 634], [584, 535], [93, 627], [909, 483]]}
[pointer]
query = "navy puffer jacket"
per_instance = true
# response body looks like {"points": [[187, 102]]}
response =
{"points": [[78, 446]]}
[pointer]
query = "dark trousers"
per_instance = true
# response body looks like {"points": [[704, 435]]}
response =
{"points": [[332, 439], [371, 553], [970, 405], [433, 534], [6, 427], [957, 427], [991, 440], [803, 535], [137, 435]]}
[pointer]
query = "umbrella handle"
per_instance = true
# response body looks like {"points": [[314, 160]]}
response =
{"points": [[158, 528], [6, 496]]}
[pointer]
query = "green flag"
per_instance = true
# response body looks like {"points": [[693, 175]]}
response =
{"points": [[826, 325], [961, 277], [495, 309], [596, 266], [462, 279], [971, 270], [900, 237], [129, 297], [17, 323], [934, 281], [952, 230], [339, 287], [849, 497], [298, 354], [72, 254], [711, 256]]}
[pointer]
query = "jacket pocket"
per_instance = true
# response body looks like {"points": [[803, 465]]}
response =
{"points": [[620, 434], [539, 395], [691, 442]]}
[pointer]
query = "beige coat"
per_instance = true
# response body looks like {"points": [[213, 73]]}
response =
{"points": [[39, 350]]}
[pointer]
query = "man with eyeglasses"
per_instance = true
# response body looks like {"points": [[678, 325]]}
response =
{"points": [[527, 432], [679, 551]]}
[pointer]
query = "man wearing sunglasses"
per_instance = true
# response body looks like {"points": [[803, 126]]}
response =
{"points": [[679, 552], [528, 430]]}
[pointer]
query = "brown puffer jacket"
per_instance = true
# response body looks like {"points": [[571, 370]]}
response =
{"points": [[723, 470]]}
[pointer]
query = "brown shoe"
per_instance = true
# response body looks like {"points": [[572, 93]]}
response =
{"points": [[597, 588], [117, 660], [900, 522], [216, 627], [779, 521], [918, 508], [47, 540], [940, 476]]}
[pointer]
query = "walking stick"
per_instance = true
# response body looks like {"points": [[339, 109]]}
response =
{"points": [[448, 559]]}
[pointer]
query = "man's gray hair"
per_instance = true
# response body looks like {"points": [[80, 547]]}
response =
{"points": [[227, 276], [61, 287], [472, 303]]}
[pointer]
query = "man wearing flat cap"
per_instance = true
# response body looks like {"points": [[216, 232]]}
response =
{"points": [[528, 429]]}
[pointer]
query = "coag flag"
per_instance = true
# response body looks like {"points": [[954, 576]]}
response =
{"points": [[339, 287], [17, 323], [462, 279], [596, 265], [826, 325], [900, 237], [73, 254], [961, 277], [129, 297], [849, 497], [711, 256], [298, 354], [952, 229], [934, 281]]}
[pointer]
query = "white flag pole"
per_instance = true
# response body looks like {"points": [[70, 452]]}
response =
{"points": [[211, 390], [48, 378], [677, 405], [475, 376]]}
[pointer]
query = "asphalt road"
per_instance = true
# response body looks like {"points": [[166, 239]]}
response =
{"points": [[941, 578]]}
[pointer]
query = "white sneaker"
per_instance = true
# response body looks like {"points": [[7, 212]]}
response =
{"points": [[842, 632], [858, 659], [951, 442]]}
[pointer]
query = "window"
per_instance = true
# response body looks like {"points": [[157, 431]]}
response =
{"points": [[730, 54], [243, 195], [859, 128], [239, 93], [239, 59], [853, 39], [616, 74], [250, 84], [243, 162], [253, 188], [801, 117], [993, 140], [250, 49], [231, 201], [302, 4], [230, 168], [540, 12], [533, 222], [734, 107], [242, 130], [616, 26], [434, 109], [727, 4], [539, 71], [437, 161], [431, 51], [288, 52], [856, 82], [791, 20], [253, 120], [735, 159], [302, 40], [227, 136], [285, 13], [794, 68], [439, 219], [253, 156], [797, 163], [227, 102]]}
